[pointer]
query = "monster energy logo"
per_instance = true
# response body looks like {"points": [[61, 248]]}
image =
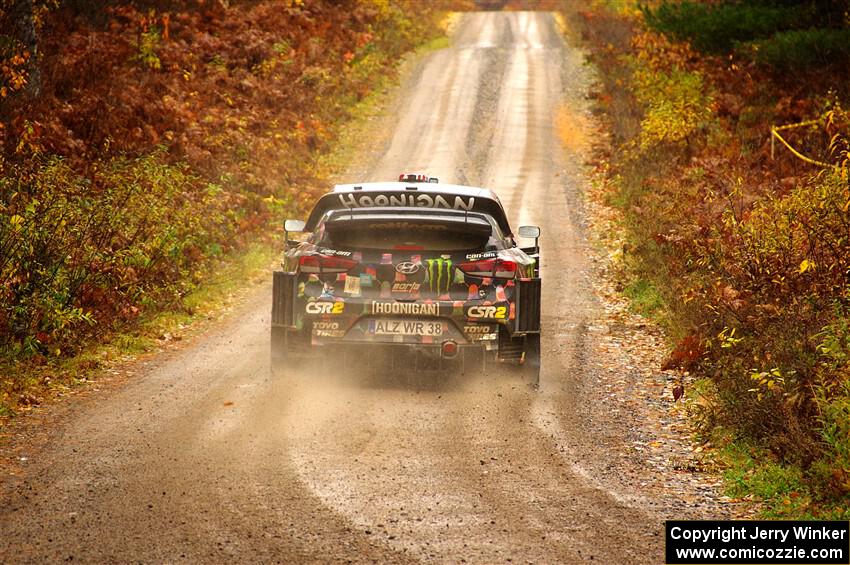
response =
{"points": [[439, 274]]}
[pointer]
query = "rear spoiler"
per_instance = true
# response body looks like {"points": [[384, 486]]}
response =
{"points": [[412, 200]]}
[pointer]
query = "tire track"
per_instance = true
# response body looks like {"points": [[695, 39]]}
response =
{"points": [[527, 501]]}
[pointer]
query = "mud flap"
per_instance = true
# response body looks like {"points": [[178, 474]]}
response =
{"points": [[527, 306], [284, 286]]}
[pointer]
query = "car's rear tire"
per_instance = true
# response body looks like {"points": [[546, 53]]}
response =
{"points": [[289, 348]]}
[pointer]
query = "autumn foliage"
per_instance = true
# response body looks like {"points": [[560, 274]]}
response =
{"points": [[142, 141], [746, 244]]}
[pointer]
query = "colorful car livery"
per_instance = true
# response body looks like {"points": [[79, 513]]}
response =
{"points": [[413, 269]]}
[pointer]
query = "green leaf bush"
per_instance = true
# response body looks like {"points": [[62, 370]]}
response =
{"points": [[161, 141], [789, 51], [81, 254], [717, 28]]}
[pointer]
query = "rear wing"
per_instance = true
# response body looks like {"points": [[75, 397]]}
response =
{"points": [[463, 199]]}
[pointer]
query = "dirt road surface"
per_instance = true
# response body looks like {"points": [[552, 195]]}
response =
{"points": [[204, 457]]}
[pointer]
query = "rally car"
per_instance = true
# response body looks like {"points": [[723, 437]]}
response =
{"points": [[416, 274]]}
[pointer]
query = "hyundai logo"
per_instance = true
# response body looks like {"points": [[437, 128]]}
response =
{"points": [[407, 268]]}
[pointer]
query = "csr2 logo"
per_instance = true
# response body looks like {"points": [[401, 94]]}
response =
{"points": [[325, 307], [494, 312]]}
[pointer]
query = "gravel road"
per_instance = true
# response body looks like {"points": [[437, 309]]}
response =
{"points": [[203, 456]]}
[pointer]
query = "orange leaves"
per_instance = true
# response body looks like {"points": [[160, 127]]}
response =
{"points": [[685, 355], [241, 98], [13, 73], [166, 27], [18, 60], [364, 38]]}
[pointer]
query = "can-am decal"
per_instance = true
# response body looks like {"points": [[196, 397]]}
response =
{"points": [[487, 312], [334, 252], [483, 255], [325, 307], [407, 201], [416, 308]]}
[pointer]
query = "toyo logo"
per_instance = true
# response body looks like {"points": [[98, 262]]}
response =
{"points": [[439, 274]]}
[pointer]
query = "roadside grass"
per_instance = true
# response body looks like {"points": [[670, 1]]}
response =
{"points": [[782, 491], [350, 138], [752, 474], [37, 384], [360, 126], [434, 45], [644, 296]]}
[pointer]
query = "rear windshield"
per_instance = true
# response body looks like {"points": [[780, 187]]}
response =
{"points": [[408, 235]]}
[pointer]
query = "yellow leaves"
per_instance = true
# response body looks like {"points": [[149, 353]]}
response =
{"points": [[767, 381], [727, 338], [16, 222], [674, 101], [572, 127], [807, 265]]}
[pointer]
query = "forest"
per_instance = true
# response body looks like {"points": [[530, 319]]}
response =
{"points": [[144, 144], [728, 160]]}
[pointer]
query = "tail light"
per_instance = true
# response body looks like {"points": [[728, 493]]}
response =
{"points": [[325, 264], [497, 268], [449, 349]]}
